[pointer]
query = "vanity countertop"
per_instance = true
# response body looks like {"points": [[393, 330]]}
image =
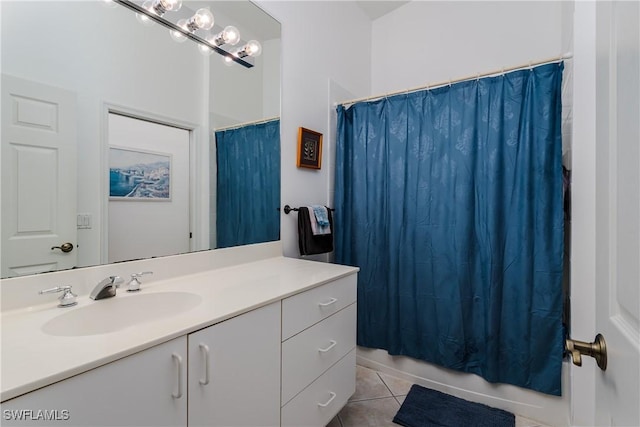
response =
{"points": [[32, 359]]}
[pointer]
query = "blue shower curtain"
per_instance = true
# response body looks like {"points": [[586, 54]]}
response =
{"points": [[450, 202], [248, 184]]}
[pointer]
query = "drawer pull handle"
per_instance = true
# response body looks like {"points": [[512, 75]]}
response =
{"points": [[324, 350], [205, 354], [328, 402], [326, 304], [178, 360]]}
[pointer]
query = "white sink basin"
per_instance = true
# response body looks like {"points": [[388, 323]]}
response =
{"points": [[119, 312]]}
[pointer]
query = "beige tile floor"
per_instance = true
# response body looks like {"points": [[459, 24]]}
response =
{"points": [[378, 397]]}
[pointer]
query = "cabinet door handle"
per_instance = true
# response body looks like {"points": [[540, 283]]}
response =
{"points": [[324, 350], [328, 303], [328, 402], [178, 361], [204, 349]]}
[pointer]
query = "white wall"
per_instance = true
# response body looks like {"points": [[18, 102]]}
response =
{"points": [[271, 53], [429, 42], [426, 42], [241, 90], [321, 41]]}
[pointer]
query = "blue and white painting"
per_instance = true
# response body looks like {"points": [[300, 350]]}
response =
{"points": [[139, 175]]}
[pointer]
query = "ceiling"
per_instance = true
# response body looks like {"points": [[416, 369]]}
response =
{"points": [[376, 9]]}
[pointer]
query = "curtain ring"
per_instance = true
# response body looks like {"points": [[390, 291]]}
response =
{"points": [[530, 66], [449, 81], [478, 77], [503, 70]]}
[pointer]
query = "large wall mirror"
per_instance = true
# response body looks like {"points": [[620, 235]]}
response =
{"points": [[121, 143]]}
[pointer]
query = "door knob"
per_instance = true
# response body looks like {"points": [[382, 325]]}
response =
{"points": [[65, 247], [596, 349]]}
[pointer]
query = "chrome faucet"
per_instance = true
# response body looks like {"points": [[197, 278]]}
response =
{"points": [[106, 288]]}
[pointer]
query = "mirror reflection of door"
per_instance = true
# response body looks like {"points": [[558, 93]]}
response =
{"points": [[38, 178], [148, 189]]}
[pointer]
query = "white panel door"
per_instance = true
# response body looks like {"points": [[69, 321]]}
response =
{"points": [[234, 371], [618, 210], [150, 223], [38, 177]]}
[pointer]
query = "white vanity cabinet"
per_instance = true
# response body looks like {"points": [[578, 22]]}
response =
{"points": [[275, 351], [318, 352], [148, 388], [234, 371]]}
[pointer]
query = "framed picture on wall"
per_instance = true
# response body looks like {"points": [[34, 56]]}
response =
{"points": [[309, 149], [139, 175]]}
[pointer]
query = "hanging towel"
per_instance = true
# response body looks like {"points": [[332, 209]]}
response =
{"points": [[320, 212], [319, 220], [309, 243]]}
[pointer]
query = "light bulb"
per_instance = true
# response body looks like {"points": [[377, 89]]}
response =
{"points": [[255, 48], [162, 6], [177, 35], [172, 5], [202, 20], [227, 60], [144, 19], [231, 35], [252, 48]]}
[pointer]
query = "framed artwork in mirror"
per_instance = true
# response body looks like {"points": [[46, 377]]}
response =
{"points": [[309, 149], [139, 175]]}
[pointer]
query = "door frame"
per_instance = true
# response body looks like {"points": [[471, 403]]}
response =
{"points": [[583, 207], [198, 187]]}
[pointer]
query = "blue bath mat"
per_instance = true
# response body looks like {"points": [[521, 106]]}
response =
{"points": [[429, 408]]}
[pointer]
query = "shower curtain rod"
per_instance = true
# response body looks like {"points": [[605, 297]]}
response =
{"points": [[253, 122], [567, 55]]}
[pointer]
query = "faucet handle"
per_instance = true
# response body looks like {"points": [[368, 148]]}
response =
{"points": [[67, 299], [116, 281], [134, 283]]}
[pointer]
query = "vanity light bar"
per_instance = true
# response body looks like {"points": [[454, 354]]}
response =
{"points": [[173, 27]]}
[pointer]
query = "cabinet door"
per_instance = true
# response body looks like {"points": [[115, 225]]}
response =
{"points": [[234, 371], [139, 390]]}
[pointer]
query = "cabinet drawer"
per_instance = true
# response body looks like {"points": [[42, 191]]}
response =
{"points": [[305, 309], [308, 354], [320, 402]]}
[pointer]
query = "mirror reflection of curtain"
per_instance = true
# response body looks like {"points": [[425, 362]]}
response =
{"points": [[248, 184], [450, 202]]}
